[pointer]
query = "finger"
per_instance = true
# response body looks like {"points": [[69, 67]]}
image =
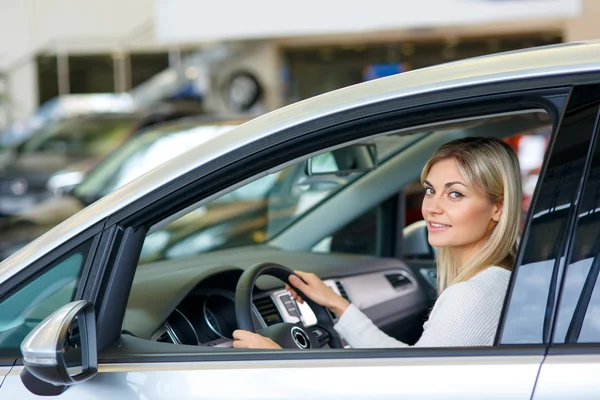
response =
{"points": [[290, 289], [296, 296], [308, 277], [240, 334], [239, 344], [297, 282], [302, 274]]}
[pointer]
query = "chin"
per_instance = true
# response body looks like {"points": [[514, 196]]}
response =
{"points": [[438, 242]]}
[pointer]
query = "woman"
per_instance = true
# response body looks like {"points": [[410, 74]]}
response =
{"points": [[472, 206]]}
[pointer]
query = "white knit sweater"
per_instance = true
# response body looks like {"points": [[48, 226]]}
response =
{"points": [[465, 314]]}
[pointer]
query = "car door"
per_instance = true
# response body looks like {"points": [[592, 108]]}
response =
{"points": [[137, 369], [572, 365]]}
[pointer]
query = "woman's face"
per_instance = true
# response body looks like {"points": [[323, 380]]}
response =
{"points": [[458, 217]]}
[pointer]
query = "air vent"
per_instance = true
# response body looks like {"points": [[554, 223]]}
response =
{"points": [[342, 290], [398, 280], [164, 338], [268, 311], [165, 335]]}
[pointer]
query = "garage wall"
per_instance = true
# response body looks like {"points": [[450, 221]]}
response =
{"points": [[585, 26], [189, 20], [26, 26]]}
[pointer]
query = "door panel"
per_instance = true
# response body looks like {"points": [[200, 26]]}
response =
{"points": [[442, 378], [569, 377]]}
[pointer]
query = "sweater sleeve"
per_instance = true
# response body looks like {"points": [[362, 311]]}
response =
{"points": [[360, 332], [466, 314]]}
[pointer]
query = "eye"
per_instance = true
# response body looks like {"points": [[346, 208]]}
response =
{"points": [[428, 191], [455, 195]]}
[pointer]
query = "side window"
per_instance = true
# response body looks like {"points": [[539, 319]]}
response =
{"points": [[537, 271], [23, 309], [578, 318]]}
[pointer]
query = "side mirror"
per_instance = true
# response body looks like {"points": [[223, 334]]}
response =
{"points": [[61, 350], [341, 162]]}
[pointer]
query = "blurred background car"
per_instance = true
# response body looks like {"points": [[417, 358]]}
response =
{"points": [[66, 107], [55, 157], [26, 169], [148, 149]]}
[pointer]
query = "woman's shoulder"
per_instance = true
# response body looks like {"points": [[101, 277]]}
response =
{"points": [[492, 280], [493, 274]]}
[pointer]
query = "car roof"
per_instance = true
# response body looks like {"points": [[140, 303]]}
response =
{"points": [[562, 59]]}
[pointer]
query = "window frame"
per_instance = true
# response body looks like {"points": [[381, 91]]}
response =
{"points": [[297, 142]]}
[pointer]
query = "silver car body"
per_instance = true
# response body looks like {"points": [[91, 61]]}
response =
{"points": [[509, 376], [339, 379]]}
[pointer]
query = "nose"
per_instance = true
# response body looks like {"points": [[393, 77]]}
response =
{"points": [[431, 206]]}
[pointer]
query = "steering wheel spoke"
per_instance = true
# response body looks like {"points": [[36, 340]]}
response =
{"points": [[321, 334]]}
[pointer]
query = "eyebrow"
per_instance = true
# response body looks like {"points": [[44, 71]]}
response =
{"points": [[447, 185]]}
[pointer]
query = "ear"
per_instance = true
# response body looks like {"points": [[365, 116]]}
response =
{"points": [[497, 211]]}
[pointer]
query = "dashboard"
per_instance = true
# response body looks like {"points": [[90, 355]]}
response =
{"points": [[206, 315]]}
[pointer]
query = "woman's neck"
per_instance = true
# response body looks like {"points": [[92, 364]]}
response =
{"points": [[462, 254]]}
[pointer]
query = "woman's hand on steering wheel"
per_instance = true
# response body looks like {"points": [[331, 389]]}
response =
{"points": [[316, 290], [288, 335], [249, 340]]}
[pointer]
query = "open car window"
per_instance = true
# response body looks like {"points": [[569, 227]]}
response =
{"points": [[254, 213], [202, 246]]}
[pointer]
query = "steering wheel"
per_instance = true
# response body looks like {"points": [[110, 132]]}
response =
{"points": [[285, 334]]}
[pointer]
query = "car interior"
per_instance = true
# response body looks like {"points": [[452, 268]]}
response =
{"points": [[342, 216]]}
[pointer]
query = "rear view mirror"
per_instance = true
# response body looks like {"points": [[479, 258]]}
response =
{"points": [[347, 160], [61, 350]]}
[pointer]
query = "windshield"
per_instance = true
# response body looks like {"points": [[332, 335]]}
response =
{"points": [[142, 154], [90, 137], [256, 212]]}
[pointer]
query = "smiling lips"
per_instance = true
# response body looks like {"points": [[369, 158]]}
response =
{"points": [[437, 227]]}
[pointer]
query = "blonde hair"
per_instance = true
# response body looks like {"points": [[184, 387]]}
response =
{"points": [[491, 166]]}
